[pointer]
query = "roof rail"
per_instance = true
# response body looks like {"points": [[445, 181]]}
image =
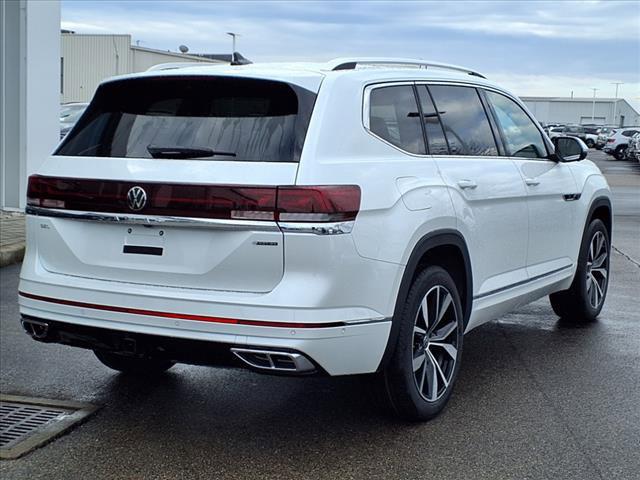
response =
{"points": [[352, 63]]}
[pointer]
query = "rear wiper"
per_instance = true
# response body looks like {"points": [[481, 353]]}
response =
{"points": [[185, 152]]}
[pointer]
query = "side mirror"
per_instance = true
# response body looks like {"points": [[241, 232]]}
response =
{"points": [[569, 149]]}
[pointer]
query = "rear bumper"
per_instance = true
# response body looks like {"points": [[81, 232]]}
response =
{"points": [[337, 348], [195, 352]]}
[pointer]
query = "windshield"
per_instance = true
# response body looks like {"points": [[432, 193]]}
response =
{"points": [[211, 118]]}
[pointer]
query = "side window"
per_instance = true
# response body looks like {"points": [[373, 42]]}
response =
{"points": [[464, 120], [435, 136], [394, 117], [520, 134]]}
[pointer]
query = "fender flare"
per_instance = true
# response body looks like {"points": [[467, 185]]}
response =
{"points": [[596, 203], [437, 238]]}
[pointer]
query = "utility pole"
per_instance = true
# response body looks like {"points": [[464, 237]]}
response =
{"points": [[615, 103], [593, 105], [233, 46]]}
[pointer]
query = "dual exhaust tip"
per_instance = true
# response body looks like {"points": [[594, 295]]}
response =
{"points": [[275, 361], [268, 360]]}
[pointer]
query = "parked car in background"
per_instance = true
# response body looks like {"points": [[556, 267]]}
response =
{"points": [[603, 134], [549, 126], [633, 150], [591, 135], [568, 130], [618, 142], [69, 115]]}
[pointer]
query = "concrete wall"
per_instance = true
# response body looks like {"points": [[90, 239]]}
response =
{"points": [[30, 110]]}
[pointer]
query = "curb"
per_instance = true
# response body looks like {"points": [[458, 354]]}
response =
{"points": [[11, 254]]}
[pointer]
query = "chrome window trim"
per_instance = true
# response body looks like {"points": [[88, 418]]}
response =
{"points": [[155, 220]]}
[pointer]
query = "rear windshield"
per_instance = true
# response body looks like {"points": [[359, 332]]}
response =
{"points": [[207, 118]]}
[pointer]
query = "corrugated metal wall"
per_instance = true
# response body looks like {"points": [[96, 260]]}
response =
{"points": [[89, 59], [580, 112]]}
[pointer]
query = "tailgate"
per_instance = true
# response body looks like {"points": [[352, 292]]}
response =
{"points": [[170, 181]]}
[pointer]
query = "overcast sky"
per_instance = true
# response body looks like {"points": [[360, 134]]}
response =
{"points": [[533, 48]]}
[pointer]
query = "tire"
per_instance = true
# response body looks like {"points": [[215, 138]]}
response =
{"points": [[583, 301], [133, 365], [619, 152], [590, 143], [415, 389]]}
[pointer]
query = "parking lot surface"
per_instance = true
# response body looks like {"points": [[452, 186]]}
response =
{"points": [[535, 399]]}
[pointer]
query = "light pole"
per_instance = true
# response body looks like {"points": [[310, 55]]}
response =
{"points": [[233, 46], [593, 105], [615, 103]]}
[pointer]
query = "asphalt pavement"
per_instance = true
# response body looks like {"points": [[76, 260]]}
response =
{"points": [[536, 399]]}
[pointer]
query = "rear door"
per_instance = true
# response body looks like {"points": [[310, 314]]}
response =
{"points": [[551, 189], [486, 188], [170, 181]]}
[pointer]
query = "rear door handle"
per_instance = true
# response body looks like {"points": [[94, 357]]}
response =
{"points": [[467, 184], [532, 182]]}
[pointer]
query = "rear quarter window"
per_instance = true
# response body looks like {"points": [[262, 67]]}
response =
{"points": [[205, 117]]}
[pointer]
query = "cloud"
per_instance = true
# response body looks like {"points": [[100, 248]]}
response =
{"points": [[555, 46]]}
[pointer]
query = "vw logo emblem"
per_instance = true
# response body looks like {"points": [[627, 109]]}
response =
{"points": [[136, 198]]}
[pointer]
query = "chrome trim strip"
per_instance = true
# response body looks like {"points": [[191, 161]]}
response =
{"points": [[523, 282], [336, 228], [158, 221]]}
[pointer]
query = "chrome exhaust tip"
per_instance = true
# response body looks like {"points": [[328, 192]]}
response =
{"points": [[35, 328], [274, 360]]}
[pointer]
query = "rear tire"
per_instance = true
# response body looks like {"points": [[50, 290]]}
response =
{"points": [[590, 143], [419, 378], [133, 365], [583, 301], [620, 152]]}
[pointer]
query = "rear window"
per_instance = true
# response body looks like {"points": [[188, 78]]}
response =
{"points": [[208, 118]]}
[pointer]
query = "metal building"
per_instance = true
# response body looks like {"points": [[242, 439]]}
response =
{"points": [[86, 60], [582, 110]]}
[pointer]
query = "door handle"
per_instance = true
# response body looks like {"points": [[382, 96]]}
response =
{"points": [[532, 182], [467, 184]]}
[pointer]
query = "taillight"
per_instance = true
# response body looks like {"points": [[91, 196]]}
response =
{"points": [[324, 203], [327, 203], [611, 140]]}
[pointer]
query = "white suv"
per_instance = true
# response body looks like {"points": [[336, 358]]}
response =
{"points": [[618, 141], [309, 219]]}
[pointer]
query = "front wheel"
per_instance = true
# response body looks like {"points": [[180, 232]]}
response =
{"points": [[422, 371], [132, 365], [590, 143], [583, 301]]}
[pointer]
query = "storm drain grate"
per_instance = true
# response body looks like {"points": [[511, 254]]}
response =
{"points": [[27, 423]]}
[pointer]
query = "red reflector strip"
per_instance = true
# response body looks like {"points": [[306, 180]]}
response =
{"points": [[180, 316]]}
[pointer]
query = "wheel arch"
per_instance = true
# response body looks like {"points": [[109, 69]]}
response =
{"points": [[601, 209], [446, 248]]}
